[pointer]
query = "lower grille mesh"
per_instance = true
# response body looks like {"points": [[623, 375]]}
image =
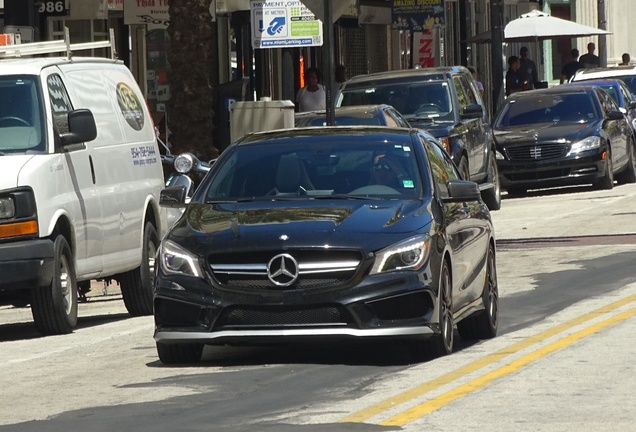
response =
{"points": [[267, 318]]}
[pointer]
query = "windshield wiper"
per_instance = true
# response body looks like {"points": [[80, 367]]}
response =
{"points": [[344, 197]]}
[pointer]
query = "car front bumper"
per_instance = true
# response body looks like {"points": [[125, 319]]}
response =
{"points": [[587, 168], [397, 305], [26, 264]]}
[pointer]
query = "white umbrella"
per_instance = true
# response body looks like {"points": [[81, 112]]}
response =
{"points": [[536, 25]]}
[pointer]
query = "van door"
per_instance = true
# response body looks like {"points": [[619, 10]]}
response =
{"points": [[79, 197]]}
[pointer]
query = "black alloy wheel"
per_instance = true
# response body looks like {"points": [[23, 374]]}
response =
{"points": [[607, 182], [442, 344]]}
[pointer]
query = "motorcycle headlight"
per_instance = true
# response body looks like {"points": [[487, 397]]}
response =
{"points": [[178, 261], [7, 208], [589, 143], [410, 254], [184, 163]]}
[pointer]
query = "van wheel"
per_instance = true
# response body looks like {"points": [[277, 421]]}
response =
{"points": [[179, 353], [54, 307], [137, 285], [492, 196]]}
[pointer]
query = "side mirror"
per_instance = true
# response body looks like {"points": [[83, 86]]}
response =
{"points": [[615, 115], [462, 190], [472, 111], [81, 126], [173, 197], [632, 105]]}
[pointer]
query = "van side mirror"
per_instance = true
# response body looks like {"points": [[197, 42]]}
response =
{"points": [[472, 111], [81, 126]]}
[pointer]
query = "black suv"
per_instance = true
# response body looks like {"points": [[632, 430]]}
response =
{"points": [[445, 102]]}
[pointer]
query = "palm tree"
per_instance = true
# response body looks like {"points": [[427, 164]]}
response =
{"points": [[192, 57]]}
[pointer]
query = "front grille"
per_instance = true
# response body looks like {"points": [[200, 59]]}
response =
{"points": [[316, 269], [276, 317], [538, 175], [536, 152]]}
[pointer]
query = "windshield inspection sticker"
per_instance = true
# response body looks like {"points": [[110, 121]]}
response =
{"points": [[130, 106], [408, 184]]}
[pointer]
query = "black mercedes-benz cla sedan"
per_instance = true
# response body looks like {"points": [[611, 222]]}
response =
{"points": [[327, 233], [570, 134]]}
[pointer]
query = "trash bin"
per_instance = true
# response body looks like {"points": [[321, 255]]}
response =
{"points": [[262, 115]]}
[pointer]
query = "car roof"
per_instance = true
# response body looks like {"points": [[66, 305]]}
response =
{"points": [[598, 81], [560, 89], [372, 133], [33, 66], [606, 72], [434, 73]]}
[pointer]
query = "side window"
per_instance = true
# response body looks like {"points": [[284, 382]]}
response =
{"points": [[606, 102], [390, 120], [470, 92], [462, 97], [60, 102], [396, 118], [442, 168]]}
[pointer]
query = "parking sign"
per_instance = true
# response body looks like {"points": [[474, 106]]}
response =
{"points": [[279, 24]]}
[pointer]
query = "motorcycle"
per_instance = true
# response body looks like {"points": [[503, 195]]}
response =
{"points": [[188, 172]]}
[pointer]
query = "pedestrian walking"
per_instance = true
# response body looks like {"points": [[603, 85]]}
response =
{"points": [[590, 60], [312, 97], [513, 80], [570, 68], [527, 70]]}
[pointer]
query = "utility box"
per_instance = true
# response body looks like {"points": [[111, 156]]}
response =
{"points": [[257, 116]]}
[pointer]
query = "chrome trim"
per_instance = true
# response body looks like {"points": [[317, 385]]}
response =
{"points": [[304, 268], [236, 268], [334, 265], [163, 336]]}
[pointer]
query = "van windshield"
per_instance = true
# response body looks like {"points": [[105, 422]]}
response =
{"points": [[21, 125]]}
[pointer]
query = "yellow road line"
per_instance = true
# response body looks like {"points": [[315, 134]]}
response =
{"points": [[478, 383], [428, 386]]}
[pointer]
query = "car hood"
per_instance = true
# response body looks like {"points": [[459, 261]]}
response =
{"points": [[438, 130], [10, 167], [229, 227], [545, 132]]}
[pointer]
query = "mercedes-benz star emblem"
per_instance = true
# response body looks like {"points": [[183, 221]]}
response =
{"points": [[282, 270]]}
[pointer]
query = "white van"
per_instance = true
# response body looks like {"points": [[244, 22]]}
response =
{"points": [[80, 176]]}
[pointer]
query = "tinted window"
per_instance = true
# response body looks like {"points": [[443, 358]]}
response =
{"points": [[421, 100], [60, 102], [548, 108], [21, 119], [607, 103], [341, 121], [611, 90], [442, 167], [329, 167]]}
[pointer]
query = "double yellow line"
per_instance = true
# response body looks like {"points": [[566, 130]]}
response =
{"points": [[418, 411]]}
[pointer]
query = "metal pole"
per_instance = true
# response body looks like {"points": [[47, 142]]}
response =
{"points": [[496, 19], [602, 39], [329, 67]]}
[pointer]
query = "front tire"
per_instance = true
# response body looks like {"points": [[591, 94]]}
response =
{"points": [[607, 182], [629, 174], [179, 353], [484, 324], [137, 285], [54, 307], [492, 196], [442, 344]]}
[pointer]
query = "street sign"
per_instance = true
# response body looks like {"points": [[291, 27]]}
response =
{"points": [[279, 24]]}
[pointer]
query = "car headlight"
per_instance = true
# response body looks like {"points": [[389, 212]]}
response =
{"points": [[184, 163], [589, 143], [499, 155], [7, 208], [409, 254], [176, 260]]}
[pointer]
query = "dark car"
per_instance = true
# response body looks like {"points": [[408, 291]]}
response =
{"points": [[370, 115], [445, 102], [566, 135], [315, 233], [621, 94]]}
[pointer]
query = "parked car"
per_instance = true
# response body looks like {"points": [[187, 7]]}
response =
{"points": [[565, 135], [312, 233], [625, 73], [621, 94], [372, 115], [444, 101]]}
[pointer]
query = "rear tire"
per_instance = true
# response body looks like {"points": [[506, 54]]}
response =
{"points": [[179, 353], [484, 324], [54, 307], [492, 196], [137, 286]]}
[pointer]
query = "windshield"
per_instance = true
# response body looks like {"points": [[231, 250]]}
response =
{"points": [[429, 100], [21, 126], [567, 108], [315, 170]]}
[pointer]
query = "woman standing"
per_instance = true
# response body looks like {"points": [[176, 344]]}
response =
{"points": [[312, 97]]}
